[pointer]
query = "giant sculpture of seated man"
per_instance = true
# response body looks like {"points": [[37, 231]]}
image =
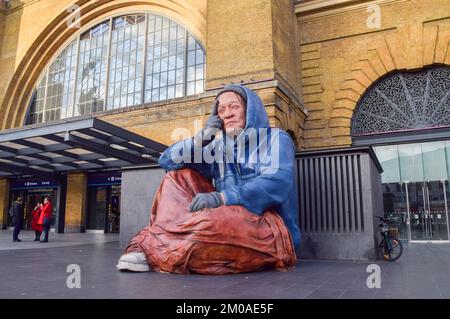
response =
{"points": [[228, 201]]}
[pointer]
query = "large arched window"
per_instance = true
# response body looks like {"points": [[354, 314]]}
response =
{"points": [[124, 61], [405, 101]]}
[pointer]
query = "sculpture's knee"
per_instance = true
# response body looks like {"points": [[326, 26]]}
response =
{"points": [[191, 179], [184, 172]]}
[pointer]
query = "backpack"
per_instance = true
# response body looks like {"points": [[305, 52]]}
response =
{"points": [[11, 211]]}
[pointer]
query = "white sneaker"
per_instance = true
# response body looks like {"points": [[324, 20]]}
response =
{"points": [[133, 262]]}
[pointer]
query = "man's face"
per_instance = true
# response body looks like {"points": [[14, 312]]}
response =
{"points": [[231, 110], [45, 200]]}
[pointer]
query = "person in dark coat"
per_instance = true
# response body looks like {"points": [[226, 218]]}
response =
{"points": [[17, 218], [47, 216], [35, 225]]}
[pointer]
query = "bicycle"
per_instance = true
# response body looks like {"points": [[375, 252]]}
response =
{"points": [[390, 247]]}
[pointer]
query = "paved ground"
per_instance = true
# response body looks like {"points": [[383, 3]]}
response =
{"points": [[55, 240], [422, 272]]}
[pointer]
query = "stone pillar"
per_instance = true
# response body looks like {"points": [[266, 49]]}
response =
{"points": [[75, 211], [253, 40], [4, 202], [139, 186]]}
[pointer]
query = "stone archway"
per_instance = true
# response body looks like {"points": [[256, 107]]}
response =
{"points": [[57, 34], [412, 47], [404, 101]]}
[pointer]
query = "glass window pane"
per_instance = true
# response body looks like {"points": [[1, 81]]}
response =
{"points": [[172, 62], [171, 79], [165, 36], [191, 73], [179, 90], [129, 61], [163, 79], [191, 43], [155, 95], [200, 57], [164, 50], [76, 83], [148, 96], [171, 92], [180, 61], [173, 34], [179, 76], [181, 32], [158, 23], [164, 64], [155, 78], [163, 93], [199, 87], [191, 58], [190, 88], [199, 72], [388, 158], [435, 166], [411, 164]]}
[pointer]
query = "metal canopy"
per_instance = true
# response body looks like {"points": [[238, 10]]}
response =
{"points": [[49, 150]]}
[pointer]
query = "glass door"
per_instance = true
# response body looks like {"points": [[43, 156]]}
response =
{"points": [[395, 204], [428, 211], [416, 211], [104, 208], [96, 218], [436, 212]]}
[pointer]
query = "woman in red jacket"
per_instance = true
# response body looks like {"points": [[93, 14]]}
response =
{"points": [[47, 215], [36, 224]]}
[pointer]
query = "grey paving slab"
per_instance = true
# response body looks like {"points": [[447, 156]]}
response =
{"points": [[326, 294], [55, 240], [36, 271]]}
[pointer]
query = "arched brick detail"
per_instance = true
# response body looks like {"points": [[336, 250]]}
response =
{"points": [[57, 34], [400, 50]]}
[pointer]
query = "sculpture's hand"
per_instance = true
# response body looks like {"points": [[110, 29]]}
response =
{"points": [[206, 200], [213, 126]]}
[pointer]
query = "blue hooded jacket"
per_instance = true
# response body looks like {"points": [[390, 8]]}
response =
{"points": [[250, 179]]}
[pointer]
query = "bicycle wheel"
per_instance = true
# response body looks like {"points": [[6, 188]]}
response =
{"points": [[391, 248]]}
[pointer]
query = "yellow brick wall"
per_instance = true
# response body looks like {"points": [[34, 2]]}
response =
{"points": [[341, 56], [161, 122], [75, 220], [35, 30], [252, 40], [4, 202], [239, 41], [245, 41], [328, 60]]}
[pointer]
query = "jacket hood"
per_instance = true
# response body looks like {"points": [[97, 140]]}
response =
{"points": [[256, 115]]}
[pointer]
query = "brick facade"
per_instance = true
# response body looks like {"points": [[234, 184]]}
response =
{"points": [[310, 62]]}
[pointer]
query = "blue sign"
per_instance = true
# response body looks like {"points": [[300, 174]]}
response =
{"points": [[102, 179], [32, 184]]}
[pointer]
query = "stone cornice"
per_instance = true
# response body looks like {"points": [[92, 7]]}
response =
{"points": [[318, 9], [14, 5]]}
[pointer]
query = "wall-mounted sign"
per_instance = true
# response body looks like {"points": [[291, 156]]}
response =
{"points": [[32, 184], [100, 179]]}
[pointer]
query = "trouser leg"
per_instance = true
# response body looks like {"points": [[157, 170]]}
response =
{"points": [[46, 228], [17, 227]]}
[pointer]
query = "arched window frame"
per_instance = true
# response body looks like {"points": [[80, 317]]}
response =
{"points": [[191, 84], [403, 134]]}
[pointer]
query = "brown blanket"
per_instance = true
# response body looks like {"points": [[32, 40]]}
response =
{"points": [[227, 239]]}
